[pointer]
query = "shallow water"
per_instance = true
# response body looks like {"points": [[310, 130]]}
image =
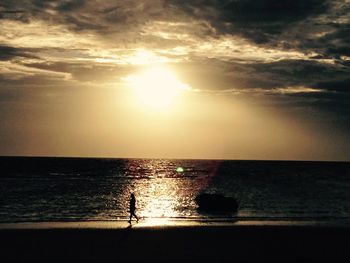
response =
{"points": [[77, 189]]}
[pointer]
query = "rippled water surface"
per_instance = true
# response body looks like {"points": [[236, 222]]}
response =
{"points": [[70, 189]]}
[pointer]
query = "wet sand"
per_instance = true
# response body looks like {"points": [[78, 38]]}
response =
{"points": [[175, 242]]}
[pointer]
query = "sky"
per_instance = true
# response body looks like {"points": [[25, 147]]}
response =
{"points": [[214, 79]]}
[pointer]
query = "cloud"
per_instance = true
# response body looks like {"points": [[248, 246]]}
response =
{"points": [[251, 45], [342, 85], [299, 72], [8, 53], [71, 5], [318, 28], [291, 25], [98, 73], [82, 15], [257, 20]]}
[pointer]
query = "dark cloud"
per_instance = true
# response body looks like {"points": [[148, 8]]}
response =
{"points": [[79, 15], [257, 20], [71, 5], [16, 10], [85, 72], [316, 26], [11, 12], [287, 73], [252, 11], [80, 23], [8, 53], [342, 85], [337, 43]]}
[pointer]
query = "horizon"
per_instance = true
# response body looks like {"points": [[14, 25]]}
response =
{"points": [[172, 159], [170, 79]]}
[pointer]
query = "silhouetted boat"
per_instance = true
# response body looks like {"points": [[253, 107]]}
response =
{"points": [[216, 203]]}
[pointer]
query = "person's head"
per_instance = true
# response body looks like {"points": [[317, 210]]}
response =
{"points": [[132, 195]]}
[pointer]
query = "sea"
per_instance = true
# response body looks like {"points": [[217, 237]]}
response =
{"points": [[47, 189]]}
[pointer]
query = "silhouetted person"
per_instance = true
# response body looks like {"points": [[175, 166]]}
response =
{"points": [[133, 207]]}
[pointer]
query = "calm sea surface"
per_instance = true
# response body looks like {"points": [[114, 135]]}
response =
{"points": [[74, 189]]}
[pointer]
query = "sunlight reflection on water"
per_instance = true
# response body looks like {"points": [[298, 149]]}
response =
{"points": [[161, 191]]}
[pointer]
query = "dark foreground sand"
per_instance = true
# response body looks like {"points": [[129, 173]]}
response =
{"points": [[177, 243]]}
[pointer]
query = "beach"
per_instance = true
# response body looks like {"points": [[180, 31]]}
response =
{"points": [[175, 242]]}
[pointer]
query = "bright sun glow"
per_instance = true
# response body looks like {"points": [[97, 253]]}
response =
{"points": [[156, 87], [144, 57]]}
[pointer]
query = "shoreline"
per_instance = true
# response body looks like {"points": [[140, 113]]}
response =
{"points": [[168, 222], [180, 242]]}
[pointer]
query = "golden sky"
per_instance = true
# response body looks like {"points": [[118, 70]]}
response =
{"points": [[223, 79]]}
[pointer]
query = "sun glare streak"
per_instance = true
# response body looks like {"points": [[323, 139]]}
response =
{"points": [[156, 87]]}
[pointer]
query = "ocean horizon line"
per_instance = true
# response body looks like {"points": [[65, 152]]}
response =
{"points": [[169, 158]]}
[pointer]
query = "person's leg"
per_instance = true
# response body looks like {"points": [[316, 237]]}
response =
{"points": [[134, 214]]}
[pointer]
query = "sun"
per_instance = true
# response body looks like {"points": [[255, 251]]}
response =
{"points": [[156, 87]]}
